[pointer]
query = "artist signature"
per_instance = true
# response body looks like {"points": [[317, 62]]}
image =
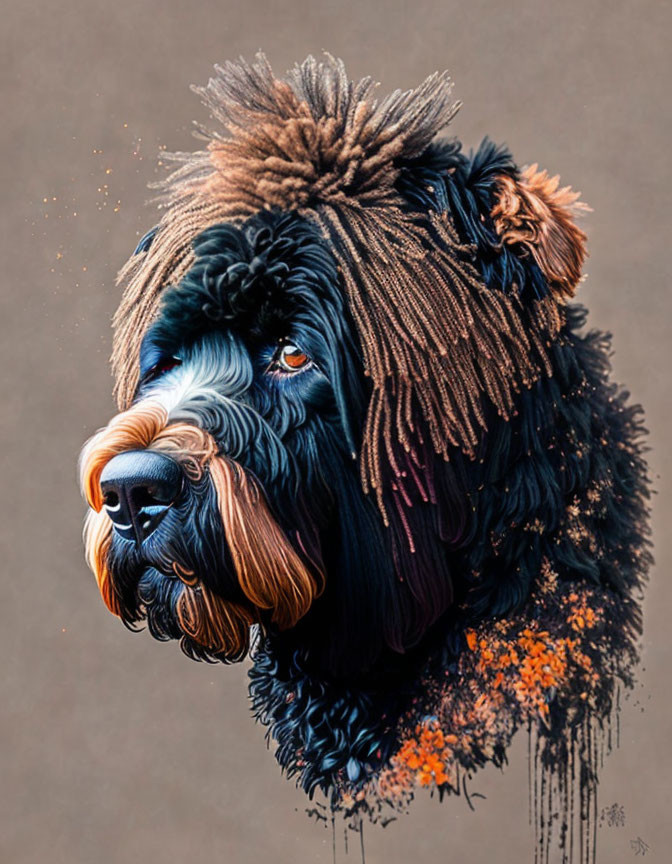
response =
{"points": [[613, 816], [639, 847]]}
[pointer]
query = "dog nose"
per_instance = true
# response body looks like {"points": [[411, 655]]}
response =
{"points": [[138, 488]]}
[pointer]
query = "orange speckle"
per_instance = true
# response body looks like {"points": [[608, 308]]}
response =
{"points": [[427, 754]]}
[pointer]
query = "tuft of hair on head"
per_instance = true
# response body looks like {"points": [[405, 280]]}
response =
{"points": [[294, 144]]}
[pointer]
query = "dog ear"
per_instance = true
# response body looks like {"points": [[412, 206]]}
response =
{"points": [[534, 216], [521, 222]]}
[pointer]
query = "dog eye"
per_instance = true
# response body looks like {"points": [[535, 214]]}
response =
{"points": [[289, 358], [164, 365]]}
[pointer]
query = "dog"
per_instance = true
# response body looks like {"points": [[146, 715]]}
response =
{"points": [[365, 438]]}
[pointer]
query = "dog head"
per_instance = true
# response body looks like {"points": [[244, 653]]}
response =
{"points": [[314, 352]]}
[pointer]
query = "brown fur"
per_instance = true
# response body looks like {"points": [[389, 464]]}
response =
{"points": [[220, 626], [533, 212], [258, 547]]}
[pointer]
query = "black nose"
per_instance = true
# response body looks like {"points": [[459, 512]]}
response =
{"points": [[138, 488]]}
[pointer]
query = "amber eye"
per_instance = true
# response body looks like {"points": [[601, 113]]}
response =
{"points": [[289, 358]]}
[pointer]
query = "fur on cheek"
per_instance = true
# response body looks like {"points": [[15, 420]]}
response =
{"points": [[271, 574]]}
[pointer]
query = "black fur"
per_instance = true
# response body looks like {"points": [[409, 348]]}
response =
{"points": [[333, 689]]}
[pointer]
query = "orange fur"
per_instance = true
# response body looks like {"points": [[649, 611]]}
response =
{"points": [[218, 625], [269, 571], [97, 540], [130, 430]]}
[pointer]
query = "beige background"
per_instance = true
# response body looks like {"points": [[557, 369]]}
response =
{"points": [[116, 749]]}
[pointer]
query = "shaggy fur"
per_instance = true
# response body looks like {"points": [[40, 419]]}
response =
{"points": [[438, 520]]}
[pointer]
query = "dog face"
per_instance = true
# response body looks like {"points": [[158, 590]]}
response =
{"points": [[312, 353]]}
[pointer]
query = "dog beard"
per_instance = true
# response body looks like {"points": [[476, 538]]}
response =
{"points": [[176, 600]]}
